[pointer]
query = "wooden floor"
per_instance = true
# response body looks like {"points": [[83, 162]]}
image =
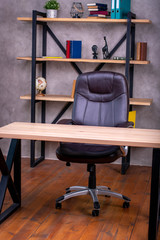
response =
{"points": [[38, 219]]}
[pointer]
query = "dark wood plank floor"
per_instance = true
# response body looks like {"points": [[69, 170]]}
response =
{"points": [[38, 219]]}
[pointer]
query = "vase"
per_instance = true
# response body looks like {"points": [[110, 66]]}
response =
{"points": [[51, 13]]}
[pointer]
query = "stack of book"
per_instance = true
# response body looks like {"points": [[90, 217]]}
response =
{"points": [[73, 49], [98, 10]]}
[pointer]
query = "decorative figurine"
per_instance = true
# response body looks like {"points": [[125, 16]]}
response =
{"points": [[94, 49], [41, 85], [105, 50], [77, 10]]}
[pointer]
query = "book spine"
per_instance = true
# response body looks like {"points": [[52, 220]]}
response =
{"points": [[119, 9], [71, 49], [67, 49], [97, 8], [113, 9], [143, 51], [97, 15], [99, 12], [138, 57], [96, 4], [76, 47]]}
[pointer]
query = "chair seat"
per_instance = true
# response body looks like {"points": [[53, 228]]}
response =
{"points": [[88, 153]]}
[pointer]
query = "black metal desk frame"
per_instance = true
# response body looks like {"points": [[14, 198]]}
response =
{"points": [[14, 186]]}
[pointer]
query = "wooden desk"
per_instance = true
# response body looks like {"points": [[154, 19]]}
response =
{"points": [[79, 134]]}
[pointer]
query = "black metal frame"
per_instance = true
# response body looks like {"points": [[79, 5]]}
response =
{"points": [[154, 214], [14, 186], [129, 36]]}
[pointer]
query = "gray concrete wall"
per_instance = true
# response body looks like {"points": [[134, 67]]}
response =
{"points": [[16, 75]]}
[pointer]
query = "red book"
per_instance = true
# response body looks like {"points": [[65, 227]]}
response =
{"points": [[68, 49], [100, 12]]}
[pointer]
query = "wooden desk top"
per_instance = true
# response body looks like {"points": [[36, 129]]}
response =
{"points": [[82, 134]]}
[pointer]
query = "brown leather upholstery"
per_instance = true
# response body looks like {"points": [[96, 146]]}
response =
{"points": [[101, 99]]}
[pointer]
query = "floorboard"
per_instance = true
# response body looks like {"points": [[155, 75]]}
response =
{"points": [[38, 219]]}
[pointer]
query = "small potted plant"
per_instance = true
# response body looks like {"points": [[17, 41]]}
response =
{"points": [[51, 6]]}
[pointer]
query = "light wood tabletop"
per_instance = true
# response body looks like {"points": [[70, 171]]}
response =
{"points": [[82, 134]]}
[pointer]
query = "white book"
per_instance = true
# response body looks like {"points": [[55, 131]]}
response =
{"points": [[91, 4]]}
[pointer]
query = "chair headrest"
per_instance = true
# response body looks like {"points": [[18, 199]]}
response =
{"points": [[101, 86]]}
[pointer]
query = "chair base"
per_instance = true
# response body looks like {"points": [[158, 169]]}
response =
{"points": [[75, 191]]}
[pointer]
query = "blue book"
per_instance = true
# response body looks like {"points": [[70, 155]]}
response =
{"points": [[75, 49]]}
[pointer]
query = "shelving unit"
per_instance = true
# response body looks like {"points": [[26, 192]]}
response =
{"points": [[40, 19]]}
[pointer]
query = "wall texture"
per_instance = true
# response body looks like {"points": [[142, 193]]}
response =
{"points": [[16, 75]]}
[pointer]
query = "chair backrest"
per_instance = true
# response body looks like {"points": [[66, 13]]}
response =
{"points": [[101, 99]]}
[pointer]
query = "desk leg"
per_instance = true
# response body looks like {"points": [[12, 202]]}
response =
{"points": [[14, 186], [155, 196]]}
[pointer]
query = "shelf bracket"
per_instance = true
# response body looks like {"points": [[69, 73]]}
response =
{"points": [[62, 49], [64, 109], [98, 68]]}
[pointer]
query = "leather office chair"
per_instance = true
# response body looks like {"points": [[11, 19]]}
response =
{"points": [[101, 99]]}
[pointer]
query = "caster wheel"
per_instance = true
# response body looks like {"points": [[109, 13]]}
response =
{"points": [[58, 205], [107, 196], [68, 191], [126, 205], [96, 206], [95, 213]]}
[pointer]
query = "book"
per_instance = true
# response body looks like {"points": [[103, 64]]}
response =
{"points": [[132, 117], [50, 57], [99, 12], [97, 9], [138, 57], [97, 4], [141, 51], [68, 49], [120, 58], [97, 15], [75, 48]]}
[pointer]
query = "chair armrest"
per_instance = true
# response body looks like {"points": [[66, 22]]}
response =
{"points": [[124, 150], [126, 125], [65, 121]]}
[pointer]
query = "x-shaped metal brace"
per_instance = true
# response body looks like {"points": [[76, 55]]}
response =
{"points": [[13, 185]]}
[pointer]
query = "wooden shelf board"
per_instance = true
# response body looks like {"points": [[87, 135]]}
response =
{"points": [[67, 98], [141, 101], [47, 97], [85, 20], [40, 59]]}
